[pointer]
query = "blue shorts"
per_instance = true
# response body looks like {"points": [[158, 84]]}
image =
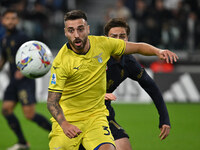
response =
{"points": [[22, 91]]}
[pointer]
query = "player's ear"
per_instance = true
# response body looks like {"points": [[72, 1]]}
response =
{"points": [[88, 28], [65, 32]]}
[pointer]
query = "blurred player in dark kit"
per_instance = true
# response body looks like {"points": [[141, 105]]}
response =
{"points": [[20, 88]]}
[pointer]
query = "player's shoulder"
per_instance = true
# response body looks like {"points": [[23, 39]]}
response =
{"points": [[130, 60], [64, 55], [61, 53], [129, 57], [100, 38], [102, 41], [97, 37]]}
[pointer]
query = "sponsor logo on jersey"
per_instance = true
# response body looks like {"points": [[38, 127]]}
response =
{"points": [[54, 67], [77, 68]]}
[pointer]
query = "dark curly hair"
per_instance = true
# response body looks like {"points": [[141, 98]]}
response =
{"points": [[75, 14], [116, 22]]}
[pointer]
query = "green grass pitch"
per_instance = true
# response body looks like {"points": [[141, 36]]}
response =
{"points": [[139, 120]]}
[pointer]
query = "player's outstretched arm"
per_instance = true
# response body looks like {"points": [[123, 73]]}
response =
{"points": [[149, 50], [56, 111]]}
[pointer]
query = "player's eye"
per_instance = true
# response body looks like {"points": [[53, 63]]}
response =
{"points": [[70, 30], [113, 36], [122, 37], [81, 29]]}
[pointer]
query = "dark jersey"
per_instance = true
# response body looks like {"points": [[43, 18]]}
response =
{"points": [[22, 90], [9, 46], [128, 67]]}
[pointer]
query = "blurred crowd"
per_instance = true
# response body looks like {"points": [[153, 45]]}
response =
{"points": [[173, 24], [41, 19]]}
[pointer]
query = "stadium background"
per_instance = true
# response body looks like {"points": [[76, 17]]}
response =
{"points": [[173, 24]]}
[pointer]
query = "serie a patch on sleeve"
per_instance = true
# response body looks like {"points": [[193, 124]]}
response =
{"points": [[53, 79]]}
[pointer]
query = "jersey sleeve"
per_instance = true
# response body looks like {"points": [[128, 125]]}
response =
{"points": [[57, 79], [116, 46], [148, 84], [136, 72]]}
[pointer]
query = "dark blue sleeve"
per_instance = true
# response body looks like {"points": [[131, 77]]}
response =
{"points": [[137, 73], [148, 84]]}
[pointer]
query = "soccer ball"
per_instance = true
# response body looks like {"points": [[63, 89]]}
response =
{"points": [[34, 59]]}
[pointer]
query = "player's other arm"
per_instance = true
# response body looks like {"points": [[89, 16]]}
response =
{"points": [[148, 84], [56, 111], [149, 50], [136, 72]]}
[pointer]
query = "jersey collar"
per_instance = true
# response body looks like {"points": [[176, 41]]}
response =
{"points": [[69, 47]]}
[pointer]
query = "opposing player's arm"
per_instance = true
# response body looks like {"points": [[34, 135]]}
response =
{"points": [[148, 84], [55, 109], [149, 50]]}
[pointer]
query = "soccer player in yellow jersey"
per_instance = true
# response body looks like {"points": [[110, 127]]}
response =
{"points": [[77, 85]]}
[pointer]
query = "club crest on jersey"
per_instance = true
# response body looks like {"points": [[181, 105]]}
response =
{"points": [[53, 79], [99, 58]]}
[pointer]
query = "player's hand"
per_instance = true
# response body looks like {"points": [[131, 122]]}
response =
{"points": [[110, 97], [165, 129], [18, 75], [168, 56], [70, 130]]}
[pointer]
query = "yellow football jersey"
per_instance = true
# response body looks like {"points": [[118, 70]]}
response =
{"points": [[82, 78]]}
